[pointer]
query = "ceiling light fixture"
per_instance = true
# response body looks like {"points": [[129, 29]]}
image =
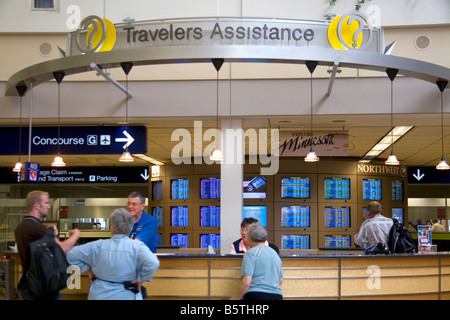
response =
{"points": [[58, 160], [217, 154], [392, 159], [126, 155], [443, 165], [311, 156], [18, 167]]}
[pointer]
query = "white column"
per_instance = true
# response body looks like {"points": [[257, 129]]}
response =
{"points": [[231, 175]]}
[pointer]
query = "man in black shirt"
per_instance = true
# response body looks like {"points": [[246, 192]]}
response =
{"points": [[31, 228]]}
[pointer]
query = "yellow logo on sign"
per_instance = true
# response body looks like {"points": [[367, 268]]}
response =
{"points": [[350, 31], [96, 35]]}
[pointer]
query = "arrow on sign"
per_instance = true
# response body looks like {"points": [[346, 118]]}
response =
{"points": [[129, 139], [418, 176], [145, 175]]}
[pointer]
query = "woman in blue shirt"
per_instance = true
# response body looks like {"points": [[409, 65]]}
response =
{"points": [[116, 261], [261, 270]]}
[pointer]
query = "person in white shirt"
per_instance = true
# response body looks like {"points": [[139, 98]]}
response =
{"points": [[119, 265], [375, 228]]}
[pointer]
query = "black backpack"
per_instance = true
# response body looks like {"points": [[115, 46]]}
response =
{"points": [[45, 273], [400, 240]]}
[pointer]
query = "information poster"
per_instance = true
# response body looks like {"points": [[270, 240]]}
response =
{"points": [[424, 235]]}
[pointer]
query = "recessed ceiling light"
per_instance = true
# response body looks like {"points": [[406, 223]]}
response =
{"points": [[385, 142]]}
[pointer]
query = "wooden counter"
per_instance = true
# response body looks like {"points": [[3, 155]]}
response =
{"points": [[306, 276]]}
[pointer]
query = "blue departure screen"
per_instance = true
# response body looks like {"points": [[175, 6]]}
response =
{"points": [[157, 212], [179, 189], [211, 239], [337, 217], [397, 190], [210, 216], [371, 189], [295, 216], [295, 242], [295, 188], [337, 241], [209, 188], [179, 216], [337, 188], [157, 190], [179, 239]]}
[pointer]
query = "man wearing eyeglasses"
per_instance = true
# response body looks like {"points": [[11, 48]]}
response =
{"points": [[145, 226]]}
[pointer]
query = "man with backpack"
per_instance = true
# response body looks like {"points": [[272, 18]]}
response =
{"points": [[375, 228], [30, 230]]}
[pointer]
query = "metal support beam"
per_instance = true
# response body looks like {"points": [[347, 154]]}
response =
{"points": [[112, 80], [333, 76]]}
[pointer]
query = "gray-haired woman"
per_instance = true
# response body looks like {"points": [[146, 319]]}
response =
{"points": [[119, 264], [261, 269]]}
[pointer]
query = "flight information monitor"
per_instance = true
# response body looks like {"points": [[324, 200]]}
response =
{"points": [[210, 188], [295, 188], [157, 190], [337, 217], [254, 188], [295, 216], [179, 216], [338, 241], [257, 212], [179, 239], [371, 189], [210, 239], [179, 189], [397, 190], [398, 214], [295, 242], [157, 212], [337, 188], [210, 216]]}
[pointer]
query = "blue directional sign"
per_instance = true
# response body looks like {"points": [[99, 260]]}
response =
{"points": [[75, 140], [68, 175], [428, 175]]}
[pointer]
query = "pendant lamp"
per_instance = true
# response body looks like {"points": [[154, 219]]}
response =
{"points": [[217, 154], [311, 156], [18, 167], [126, 155], [58, 160], [443, 165], [392, 159]]}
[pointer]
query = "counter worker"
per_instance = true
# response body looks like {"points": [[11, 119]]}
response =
{"points": [[120, 264], [242, 245], [375, 227], [31, 229], [145, 228], [261, 271]]}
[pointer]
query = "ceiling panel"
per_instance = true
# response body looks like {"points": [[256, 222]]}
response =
{"points": [[421, 146]]}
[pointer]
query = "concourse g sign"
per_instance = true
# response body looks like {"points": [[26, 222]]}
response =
{"points": [[75, 140], [347, 32]]}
